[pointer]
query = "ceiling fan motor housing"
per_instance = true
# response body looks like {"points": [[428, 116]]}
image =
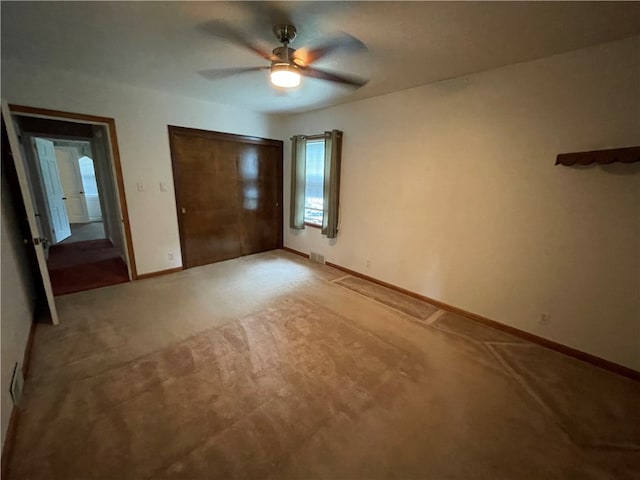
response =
{"points": [[284, 54], [285, 33]]}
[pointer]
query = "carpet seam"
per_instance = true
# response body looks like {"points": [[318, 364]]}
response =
{"points": [[548, 410], [339, 278], [434, 316], [385, 304]]}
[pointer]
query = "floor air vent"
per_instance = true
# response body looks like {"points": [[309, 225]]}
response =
{"points": [[16, 384], [317, 257]]}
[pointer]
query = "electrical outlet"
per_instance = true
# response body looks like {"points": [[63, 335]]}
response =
{"points": [[368, 263], [170, 256], [544, 318]]}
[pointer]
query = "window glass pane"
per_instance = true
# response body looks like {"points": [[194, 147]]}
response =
{"points": [[314, 182], [88, 176]]}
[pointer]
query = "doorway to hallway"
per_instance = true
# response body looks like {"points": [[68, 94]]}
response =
{"points": [[73, 184]]}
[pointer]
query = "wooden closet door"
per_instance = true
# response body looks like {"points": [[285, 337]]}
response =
{"points": [[260, 188], [228, 194]]}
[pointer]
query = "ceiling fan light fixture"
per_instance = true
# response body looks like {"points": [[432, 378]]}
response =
{"points": [[285, 75]]}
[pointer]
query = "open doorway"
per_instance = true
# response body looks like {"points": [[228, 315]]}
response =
{"points": [[75, 190]]}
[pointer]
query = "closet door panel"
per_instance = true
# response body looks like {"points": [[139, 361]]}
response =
{"points": [[259, 176], [207, 204]]}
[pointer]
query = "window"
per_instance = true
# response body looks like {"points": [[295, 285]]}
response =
{"points": [[88, 174], [315, 186], [314, 183]]}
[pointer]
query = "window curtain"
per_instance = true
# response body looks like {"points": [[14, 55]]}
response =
{"points": [[298, 172], [332, 161]]}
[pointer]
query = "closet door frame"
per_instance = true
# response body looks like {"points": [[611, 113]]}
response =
{"points": [[228, 137]]}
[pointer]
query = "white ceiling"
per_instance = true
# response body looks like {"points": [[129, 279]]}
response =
{"points": [[162, 45]]}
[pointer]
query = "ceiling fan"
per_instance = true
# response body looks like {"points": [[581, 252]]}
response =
{"points": [[288, 65]]}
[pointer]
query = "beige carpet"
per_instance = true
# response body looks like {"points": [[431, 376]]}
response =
{"points": [[271, 366]]}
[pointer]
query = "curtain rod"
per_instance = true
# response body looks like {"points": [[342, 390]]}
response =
{"points": [[311, 137]]}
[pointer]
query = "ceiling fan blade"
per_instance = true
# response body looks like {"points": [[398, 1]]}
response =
{"points": [[227, 32], [218, 73], [334, 77], [307, 56]]}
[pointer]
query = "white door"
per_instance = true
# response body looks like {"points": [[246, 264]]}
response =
{"points": [[53, 190], [37, 236], [72, 186]]}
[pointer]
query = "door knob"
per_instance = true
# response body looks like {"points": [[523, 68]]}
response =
{"points": [[81, 193], [64, 198]]}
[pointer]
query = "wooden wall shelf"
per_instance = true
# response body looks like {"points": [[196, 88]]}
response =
{"points": [[603, 157]]}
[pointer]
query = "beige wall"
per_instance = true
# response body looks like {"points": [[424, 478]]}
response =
{"points": [[450, 190], [141, 117]]}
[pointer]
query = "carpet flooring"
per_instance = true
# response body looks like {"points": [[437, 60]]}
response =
{"points": [[270, 366], [65, 255], [81, 232], [78, 266]]}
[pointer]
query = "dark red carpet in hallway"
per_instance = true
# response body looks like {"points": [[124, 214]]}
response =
{"points": [[79, 266]]}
